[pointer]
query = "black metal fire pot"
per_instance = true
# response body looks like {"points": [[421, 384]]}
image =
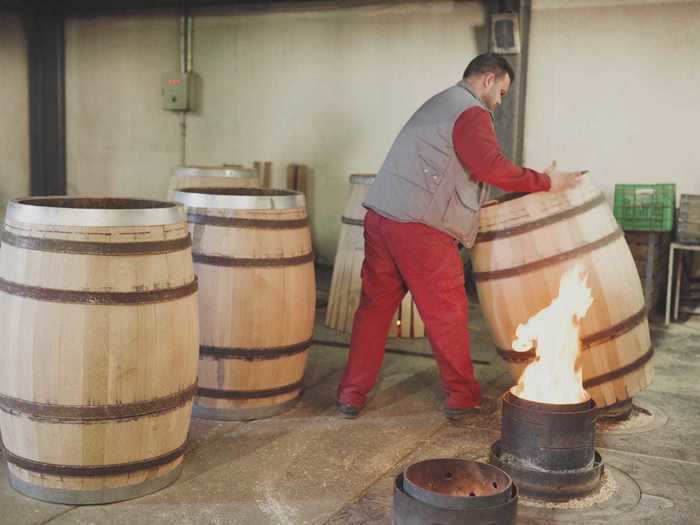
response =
{"points": [[548, 449], [454, 492]]}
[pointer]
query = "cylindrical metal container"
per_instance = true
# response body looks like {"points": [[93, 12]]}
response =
{"points": [[548, 436], [452, 492], [253, 256], [548, 449], [98, 344]]}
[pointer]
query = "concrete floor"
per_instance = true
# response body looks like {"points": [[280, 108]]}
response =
{"points": [[309, 466]]}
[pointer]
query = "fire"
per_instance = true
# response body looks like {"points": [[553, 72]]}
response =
{"points": [[555, 375]]}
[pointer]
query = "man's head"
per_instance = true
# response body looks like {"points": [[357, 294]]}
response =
{"points": [[490, 76]]}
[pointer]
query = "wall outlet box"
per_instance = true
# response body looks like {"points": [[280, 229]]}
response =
{"points": [[505, 34], [175, 91]]}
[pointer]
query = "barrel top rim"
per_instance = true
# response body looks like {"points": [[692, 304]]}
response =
{"points": [[216, 171], [510, 212], [94, 211], [240, 198]]}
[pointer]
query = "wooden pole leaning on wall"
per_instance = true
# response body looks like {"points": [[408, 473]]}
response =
{"points": [[346, 283], [264, 170], [297, 178]]}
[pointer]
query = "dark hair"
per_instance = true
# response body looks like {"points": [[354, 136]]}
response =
{"points": [[489, 63]]}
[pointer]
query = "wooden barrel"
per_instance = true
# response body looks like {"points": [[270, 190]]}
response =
{"points": [[346, 283], [226, 176], [257, 299], [98, 341], [525, 245]]}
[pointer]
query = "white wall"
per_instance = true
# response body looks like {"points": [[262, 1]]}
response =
{"points": [[14, 111], [325, 88], [118, 140], [329, 89], [611, 89], [615, 89]]}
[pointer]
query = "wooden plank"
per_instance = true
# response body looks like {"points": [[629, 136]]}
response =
{"points": [[416, 322], [302, 179], [405, 316], [291, 183], [267, 175]]}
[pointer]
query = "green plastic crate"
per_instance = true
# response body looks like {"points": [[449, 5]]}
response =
{"points": [[645, 207]]}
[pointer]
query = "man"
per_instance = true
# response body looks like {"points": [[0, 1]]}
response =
{"points": [[425, 201]]}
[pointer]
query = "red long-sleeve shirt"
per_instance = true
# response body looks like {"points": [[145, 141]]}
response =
{"points": [[477, 148]]}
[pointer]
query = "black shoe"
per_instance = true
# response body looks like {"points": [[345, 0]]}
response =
{"points": [[347, 411], [487, 406]]}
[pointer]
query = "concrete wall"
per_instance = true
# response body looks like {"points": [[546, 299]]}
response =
{"points": [[326, 88], [118, 139], [329, 89], [611, 88], [14, 111], [615, 89]]}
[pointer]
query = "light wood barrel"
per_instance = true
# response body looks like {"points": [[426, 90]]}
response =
{"points": [[98, 341], [346, 283], [226, 176], [252, 253], [525, 245]]}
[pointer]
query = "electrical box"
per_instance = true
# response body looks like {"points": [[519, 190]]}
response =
{"points": [[505, 34], [175, 91]]}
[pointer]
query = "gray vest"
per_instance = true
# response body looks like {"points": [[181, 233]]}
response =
{"points": [[422, 179]]}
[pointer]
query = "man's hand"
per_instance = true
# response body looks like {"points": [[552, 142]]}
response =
{"points": [[562, 180]]}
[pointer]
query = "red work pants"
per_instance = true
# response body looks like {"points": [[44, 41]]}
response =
{"points": [[402, 256]]}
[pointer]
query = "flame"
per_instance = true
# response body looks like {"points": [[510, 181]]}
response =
{"points": [[555, 375]]}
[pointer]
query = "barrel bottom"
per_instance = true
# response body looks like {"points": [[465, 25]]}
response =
{"points": [[616, 412], [94, 497], [238, 413]]}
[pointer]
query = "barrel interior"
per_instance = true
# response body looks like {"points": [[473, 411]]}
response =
{"points": [[239, 192], [96, 203], [506, 197]]}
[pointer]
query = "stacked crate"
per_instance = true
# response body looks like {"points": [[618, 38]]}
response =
{"points": [[690, 291], [689, 219], [645, 213], [650, 253], [688, 232]]}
